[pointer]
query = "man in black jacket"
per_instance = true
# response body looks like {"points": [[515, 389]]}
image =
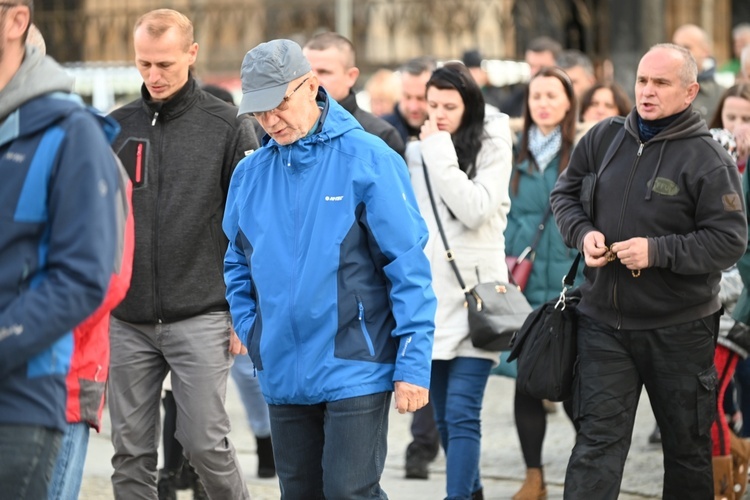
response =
{"points": [[180, 145], [411, 109], [667, 216], [332, 59]]}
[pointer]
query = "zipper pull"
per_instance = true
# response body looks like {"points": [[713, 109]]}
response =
{"points": [[156, 115], [640, 149], [361, 310]]}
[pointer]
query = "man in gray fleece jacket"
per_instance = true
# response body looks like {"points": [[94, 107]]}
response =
{"points": [[180, 146], [665, 219]]}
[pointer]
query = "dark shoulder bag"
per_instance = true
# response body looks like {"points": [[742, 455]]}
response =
{"points": [[545, 345], [496, 309]]}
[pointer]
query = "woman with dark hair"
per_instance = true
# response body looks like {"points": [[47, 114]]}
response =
{"points": [[603, 101], [545, 146], [733, 115], [464, 158]]}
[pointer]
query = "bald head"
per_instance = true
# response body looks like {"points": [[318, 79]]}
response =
{"points": [[695, 40]]}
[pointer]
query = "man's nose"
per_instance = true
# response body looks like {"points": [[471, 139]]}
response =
{"points": [[154, 74]]}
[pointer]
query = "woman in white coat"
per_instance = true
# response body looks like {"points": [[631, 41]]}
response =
{"points": [[466, 156]]}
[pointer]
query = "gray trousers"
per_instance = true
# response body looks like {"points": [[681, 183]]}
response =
{"points": [[196, 350]]}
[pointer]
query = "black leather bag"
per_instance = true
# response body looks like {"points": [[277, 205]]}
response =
{"points": [[545, 345], [496, 311]]}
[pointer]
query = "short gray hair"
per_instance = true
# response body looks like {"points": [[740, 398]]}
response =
{"points": [[689, 70], [740, 29]]}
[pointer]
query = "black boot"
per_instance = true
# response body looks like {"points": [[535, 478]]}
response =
{"points": [[655, 437], [166, 488], [191, 481], [417, 460], [478, 495], [266, 463]]}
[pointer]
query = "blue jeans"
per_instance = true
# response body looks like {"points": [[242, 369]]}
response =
{"points": [[68, 473], [243, 374], [457, 391], [334, 450], [27, 457]]}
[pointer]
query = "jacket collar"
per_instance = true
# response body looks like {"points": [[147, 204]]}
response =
{"points": [[173, 107], [349, 103]]}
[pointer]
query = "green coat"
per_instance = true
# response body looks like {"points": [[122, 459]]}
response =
{"points": [[742, 309], [553, 257]]}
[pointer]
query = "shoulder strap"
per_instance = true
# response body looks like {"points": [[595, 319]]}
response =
{"points": [[615, 125], [448, 251], [539, 230]]}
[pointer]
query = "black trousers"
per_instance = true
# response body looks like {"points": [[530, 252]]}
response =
{"points": [[426, 443], [675, 364]]}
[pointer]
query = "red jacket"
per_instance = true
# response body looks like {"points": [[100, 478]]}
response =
{"points": [[89, 366]]}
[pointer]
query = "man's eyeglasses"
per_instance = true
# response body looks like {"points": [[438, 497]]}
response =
{"points": [[9, 4], [284, 105]]}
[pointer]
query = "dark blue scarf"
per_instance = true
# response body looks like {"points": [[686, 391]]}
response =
{"points": [[647, 129]]}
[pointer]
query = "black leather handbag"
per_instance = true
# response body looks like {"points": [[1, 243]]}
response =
{"points": [[496, 309], [545, 345]]}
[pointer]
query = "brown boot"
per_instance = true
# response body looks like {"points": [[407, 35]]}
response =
{"points": [[740, 449], [723, 478], [533, 487]]}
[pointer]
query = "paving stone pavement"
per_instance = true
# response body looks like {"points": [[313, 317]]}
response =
{"points": [[502, 465]]}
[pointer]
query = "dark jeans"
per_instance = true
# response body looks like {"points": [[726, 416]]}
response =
{"points": [[27, 459], [333, 450], [675, 364]]}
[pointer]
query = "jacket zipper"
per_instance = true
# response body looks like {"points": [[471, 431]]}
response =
{"points": [[619, 228], [295, 331], [362, 324], [155, 229]]}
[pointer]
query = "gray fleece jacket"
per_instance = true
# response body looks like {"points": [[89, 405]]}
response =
{"points": [[191, 145]]}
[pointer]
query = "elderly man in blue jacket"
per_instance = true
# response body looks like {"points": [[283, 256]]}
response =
{"points": [[327, 280]]}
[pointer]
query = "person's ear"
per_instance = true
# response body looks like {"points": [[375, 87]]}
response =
{"points": [[351, 76], [692, 92], [17, 22], [193, 53]]}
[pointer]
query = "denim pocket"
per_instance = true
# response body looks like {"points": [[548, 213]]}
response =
{"points": [[708, 379]]}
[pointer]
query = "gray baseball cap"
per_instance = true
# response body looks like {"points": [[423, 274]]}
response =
{"points": [[266, 72]]}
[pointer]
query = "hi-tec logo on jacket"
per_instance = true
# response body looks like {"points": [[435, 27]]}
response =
{"points": [[334, 198]]}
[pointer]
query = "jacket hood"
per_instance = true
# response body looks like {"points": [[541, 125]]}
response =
{"points": [[37, 75]]}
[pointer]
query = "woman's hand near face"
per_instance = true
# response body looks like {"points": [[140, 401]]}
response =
{"points": [[429, 127]]}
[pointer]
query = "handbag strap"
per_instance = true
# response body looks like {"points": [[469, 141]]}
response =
{"points": [[448, 251], [567, 283], [570, 278], [537, 236]]}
